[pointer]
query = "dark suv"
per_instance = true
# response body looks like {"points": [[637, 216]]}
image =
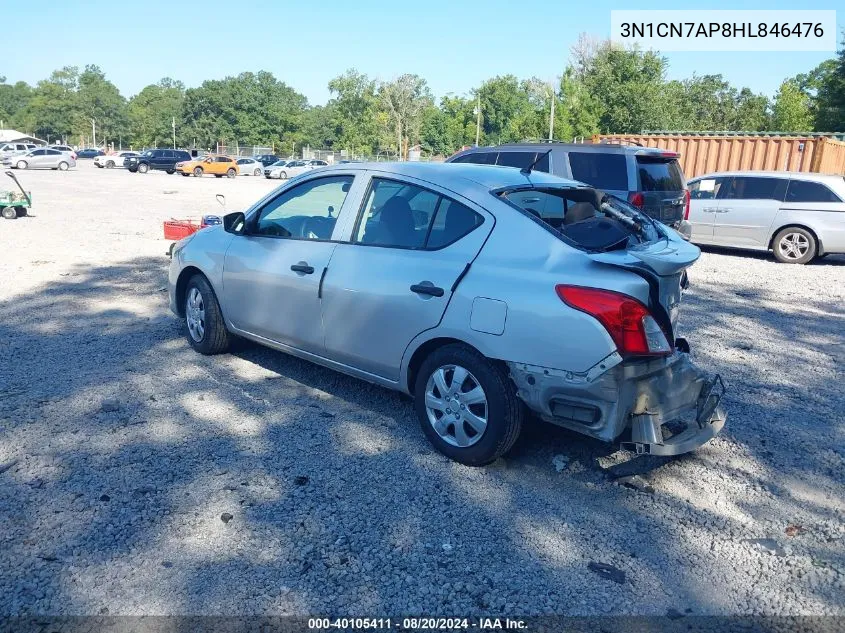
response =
{"points": [[649, 178], [161, 159], [266, 159]]}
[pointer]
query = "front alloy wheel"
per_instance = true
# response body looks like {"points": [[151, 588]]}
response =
{"points": [[195, 315], [204, 326]]}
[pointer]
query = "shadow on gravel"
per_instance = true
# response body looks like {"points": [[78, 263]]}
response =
{"points": [[153, 480]]}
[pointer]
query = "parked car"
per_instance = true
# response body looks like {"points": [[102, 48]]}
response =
{"points": [[7, 149], [650, 179], [215, 164], [116, 159], [446, 282], [796, 215], [160, 159], [90, 152], [41, 158], [266, 159], [295, 168], [250, 167], [67, 149], [278, 168]]}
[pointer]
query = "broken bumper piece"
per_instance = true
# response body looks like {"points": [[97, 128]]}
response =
{"points": [[669, 405]]}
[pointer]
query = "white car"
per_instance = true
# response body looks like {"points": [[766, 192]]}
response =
{"points": [[296, 167], [275, 170], [250, 167], [110, 161]]}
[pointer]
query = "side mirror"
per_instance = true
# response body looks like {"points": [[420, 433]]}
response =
{"points": [[234, 223]]}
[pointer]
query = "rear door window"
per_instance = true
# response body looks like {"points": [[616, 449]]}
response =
{"points": [[603, 171], [750, 188], [523, 159], [478, 158], [659, 174], [806, 191], [706, 188]]}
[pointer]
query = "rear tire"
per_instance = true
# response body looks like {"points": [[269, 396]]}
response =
{"points": [[794, 245], [204, 326], [257, 172], [10, 213], [143, 168], [231, 173], [502, 410], [63, 166]]}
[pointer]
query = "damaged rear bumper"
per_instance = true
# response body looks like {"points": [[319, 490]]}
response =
{"points": [[664, 406]]}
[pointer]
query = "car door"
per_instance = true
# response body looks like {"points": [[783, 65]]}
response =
{"points": [[271, 275], [392, 276], [38, 159], [52, 157], [703, 206], [747, 206], [818, 206]]}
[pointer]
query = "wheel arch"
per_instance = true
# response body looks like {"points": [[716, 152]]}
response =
{"points": [[182, 285], [423, 350], [797, 225]]}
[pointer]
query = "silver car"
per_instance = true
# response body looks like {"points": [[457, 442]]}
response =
{"points": [[482, 291], [250, 167], [43, 158], [796, 215]]}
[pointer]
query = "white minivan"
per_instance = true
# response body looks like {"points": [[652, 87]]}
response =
{"points": [[796, 215]]}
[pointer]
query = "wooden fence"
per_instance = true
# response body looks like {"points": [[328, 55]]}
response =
{"points": [[706, 154]]}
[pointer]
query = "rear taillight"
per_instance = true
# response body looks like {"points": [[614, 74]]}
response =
{"points": [[637, 199], [686, 204], [629, 323]]}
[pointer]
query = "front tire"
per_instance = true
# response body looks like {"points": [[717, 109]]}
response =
{"points": [[21, 164], [143, 168], [204, 326], [198, 172], [467, 405], [794, 245], [283, 175], [110, 164], [10, 213]]}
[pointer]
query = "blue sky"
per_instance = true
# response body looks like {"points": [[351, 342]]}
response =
{"points": [[454, 45]]}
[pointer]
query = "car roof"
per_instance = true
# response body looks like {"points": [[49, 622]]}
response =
{"points": [[613, 148], [457, 174], [772, 174]]}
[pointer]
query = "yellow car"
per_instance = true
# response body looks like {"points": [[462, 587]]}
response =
{"points": [[212, 164]]}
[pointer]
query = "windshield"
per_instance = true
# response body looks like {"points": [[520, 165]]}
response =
{"points": [[279, 163], [587, 217], [149, 153]]}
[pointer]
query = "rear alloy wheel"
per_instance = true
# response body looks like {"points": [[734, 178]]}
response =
{"points": [[110, 164], [231, 173], [21, 164], [10, 213], [794, 245], [63, 166], [257, 172], [143, 168], [198, 172], [467, 405], [204, 326]]}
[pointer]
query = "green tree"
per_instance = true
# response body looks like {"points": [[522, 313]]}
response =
{"points": [[404, 100], [52, 111], [576, 115], [99, 100], [13, 100], [830, 99], [791, 110], [507, 112], [354, 105], [151, 114]]}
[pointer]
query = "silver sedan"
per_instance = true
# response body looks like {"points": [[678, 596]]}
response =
{"points": [[250, 167], [42, 158], [482, 291]]}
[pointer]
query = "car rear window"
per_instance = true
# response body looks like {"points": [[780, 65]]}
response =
{"points": [[479, 158], [523, 159], [659, 174], [603, 171]]}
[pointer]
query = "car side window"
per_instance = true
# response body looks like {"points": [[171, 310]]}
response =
{"points": [[307, 212], [604, 171], [52, 152], [402, 215], [806, 191], [754, 188], [39, 152], [523, 159]]}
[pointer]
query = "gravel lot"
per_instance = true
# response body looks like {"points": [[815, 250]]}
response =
{"points": [[121, 449]]}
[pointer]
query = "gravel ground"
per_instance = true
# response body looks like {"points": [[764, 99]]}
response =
{"points": [[139, 477]]}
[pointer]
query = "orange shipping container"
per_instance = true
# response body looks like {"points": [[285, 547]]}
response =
{"points": [[702, 154]]}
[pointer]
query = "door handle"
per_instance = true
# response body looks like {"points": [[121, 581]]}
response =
{"points": [[724, 210], [426, 288], [302, 267]]}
